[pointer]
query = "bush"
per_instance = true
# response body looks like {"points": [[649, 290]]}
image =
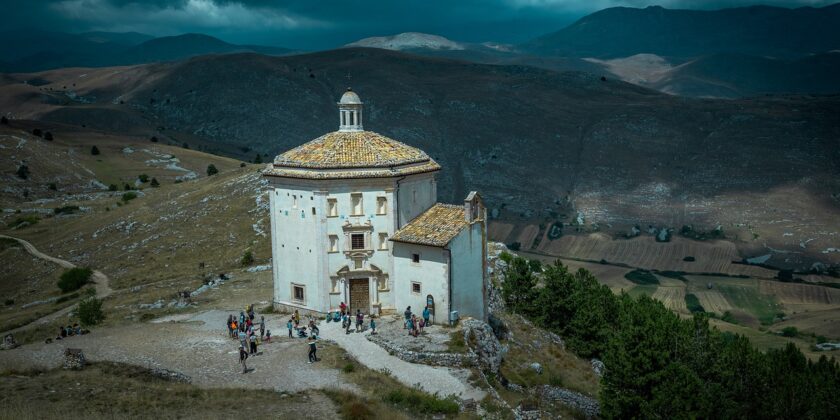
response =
{"points": [[9, 302], [514, 246], [242, 164], [66, 210], [154, 183], [127, 187], [258, 159], [693, 304], [416, 401], [48, 136], [790, 332], [37, 132], [113, 187], [4, 120], [52, 186], [641, 277], [94, 150], [74, 278], [143, 178], [247, 258], [506, 257], [90, 311], [689, 259], [211, 170], [23, 221], [153, 139], [349, 368], [22, 172], [677, 275], [128, 196]]}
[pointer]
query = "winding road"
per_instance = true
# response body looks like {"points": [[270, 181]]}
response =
{"points": [[100, 280]]}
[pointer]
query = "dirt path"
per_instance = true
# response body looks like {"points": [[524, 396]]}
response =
{"points": [[432, 379], [101, 282]]}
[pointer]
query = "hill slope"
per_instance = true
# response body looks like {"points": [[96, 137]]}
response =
{"points": [[758, 30], [541, 146]]}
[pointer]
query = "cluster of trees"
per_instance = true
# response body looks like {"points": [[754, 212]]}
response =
{"points": [[659, 365]]}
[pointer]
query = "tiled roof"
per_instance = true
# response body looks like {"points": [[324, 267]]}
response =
{"points": [[304, 173], [435, 227], [348, 149]]}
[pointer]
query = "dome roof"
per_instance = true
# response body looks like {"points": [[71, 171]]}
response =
{"points": [[350, 98], [342, 149]]}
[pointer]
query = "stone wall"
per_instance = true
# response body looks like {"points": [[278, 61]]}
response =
{"points": [[587, 405], [74, 359], [427, 358], [483, 343]]}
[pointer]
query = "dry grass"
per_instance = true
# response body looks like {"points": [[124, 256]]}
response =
{"points": [[110, 390]]}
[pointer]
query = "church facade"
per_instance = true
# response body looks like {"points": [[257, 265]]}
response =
{"points": [[355, 219]]}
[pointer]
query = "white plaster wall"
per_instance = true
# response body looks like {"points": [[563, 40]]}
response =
{"points": [[468, 286], [416, 195], [431, 272]]}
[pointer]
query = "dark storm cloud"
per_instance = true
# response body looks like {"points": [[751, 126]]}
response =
{"points": [[327, 23]]}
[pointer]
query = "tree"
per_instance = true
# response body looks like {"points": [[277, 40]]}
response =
{"points": [[4, 120], [143, 178], [518, 288], [52, 186], [258, 159], [154, 183], [23, 172], [112, 187], [211, 170], [247, 258], [154, 139], [48, 136], [90, 311], [94, 150], [74, 279], [37, 132], [186, 146]]}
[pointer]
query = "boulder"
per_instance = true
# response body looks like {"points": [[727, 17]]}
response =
{"points": [[74, 359], [536, 367], [9, 342]]}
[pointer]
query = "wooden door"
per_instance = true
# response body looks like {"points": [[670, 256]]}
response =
{"points": [[359, 296]]}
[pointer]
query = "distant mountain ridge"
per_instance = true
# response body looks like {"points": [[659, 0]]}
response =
{"points": [[408, 41], [757, 30], [43, 50]]}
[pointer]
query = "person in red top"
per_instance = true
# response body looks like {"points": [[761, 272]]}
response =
{"points": [[343, 308]]}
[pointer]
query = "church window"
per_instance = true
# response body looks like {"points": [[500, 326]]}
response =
{"points": [[381, 205], [294, 201], [415, 287], [358, 264], [313, 211], [358, 210], [415, 258], [383, 241], [333, 243], [414, 196], [298, 292], [357, 241], [332, 207]]}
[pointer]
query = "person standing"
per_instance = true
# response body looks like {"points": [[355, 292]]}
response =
{"points": [[253, 343], [289, 326], [262, 326], [426, 315], [243, 355], [343, 308], [241, 318], [407, 315], [312, 349], [372, 325], [360, 319], [241, 335]]}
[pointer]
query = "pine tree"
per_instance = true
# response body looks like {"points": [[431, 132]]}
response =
{"points": [[258, 159], [211, 170]]}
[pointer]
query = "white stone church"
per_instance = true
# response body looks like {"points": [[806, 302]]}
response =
{"points": [[354, 219]]}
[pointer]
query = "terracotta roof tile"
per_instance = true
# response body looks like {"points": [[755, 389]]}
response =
{"points": [[348, 149], [435, 227]]}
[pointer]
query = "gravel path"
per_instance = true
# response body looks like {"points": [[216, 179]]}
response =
{"points": [[101, 281], [197, 346], [432, 379]]}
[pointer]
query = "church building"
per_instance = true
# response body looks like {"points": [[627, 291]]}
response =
{"points": [[355, 219]]}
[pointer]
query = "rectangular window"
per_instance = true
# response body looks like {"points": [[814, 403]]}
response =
{"points": [[415, 258], [333, 243], [332, 207], [383, 241], [298, 293], [313, 211], [294, 201], [358, 264], [358, 209], [381, 205], [357, 241], [415, 287]]}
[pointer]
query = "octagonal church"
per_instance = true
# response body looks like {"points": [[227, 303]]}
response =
{"points": [[355, 219]]}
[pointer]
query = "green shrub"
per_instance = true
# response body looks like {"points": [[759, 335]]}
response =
{"points": [[678, 275], [728, 317], [418, 402], [514, 246], [154, 183], [689, 259], [112, 187], [211, 170], [247, 258], [641, 277], [349, 368], [66, 210], [790, 332], [90, 311], [128, 196], [52, 186], [23, 221], [143, 178], [693, 304], [535, 265], [22, 172], [506, 257], [9, 302], [74, 279], [94, 150]]}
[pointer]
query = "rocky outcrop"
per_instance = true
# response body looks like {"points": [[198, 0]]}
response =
{"points": [[74, 359], [8, 342], [170, 375], [483, 343]]}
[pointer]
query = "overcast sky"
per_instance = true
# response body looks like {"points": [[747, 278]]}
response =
{"points": [[316, 24]]}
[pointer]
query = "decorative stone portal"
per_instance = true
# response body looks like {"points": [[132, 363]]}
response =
{"points": [[360, 295]]}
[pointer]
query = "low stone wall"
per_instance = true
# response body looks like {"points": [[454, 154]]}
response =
{"points": [[589, 406], [427, 358]]}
